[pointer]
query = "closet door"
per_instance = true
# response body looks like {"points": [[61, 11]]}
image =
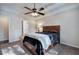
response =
{"points": [[15, 28], [25, 26], [3, 29]]}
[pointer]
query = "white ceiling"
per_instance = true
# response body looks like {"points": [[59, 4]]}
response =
{"points": [[18, 8]]}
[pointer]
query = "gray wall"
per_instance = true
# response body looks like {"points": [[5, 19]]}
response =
{"points": [[68, 18]]}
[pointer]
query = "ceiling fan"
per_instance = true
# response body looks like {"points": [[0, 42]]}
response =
{"points": [[34, 11]]}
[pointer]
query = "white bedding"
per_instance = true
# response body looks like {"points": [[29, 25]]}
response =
{"points": [[44, 39]]}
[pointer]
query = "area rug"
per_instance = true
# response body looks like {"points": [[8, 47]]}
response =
{"points": [[17, 50], [14, 50], [51, 52]]}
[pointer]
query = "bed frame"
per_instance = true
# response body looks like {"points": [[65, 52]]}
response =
{"points": [[54, 28]]}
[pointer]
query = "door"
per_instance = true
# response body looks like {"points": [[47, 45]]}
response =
{"points": [[25, 27], [4, 28]]}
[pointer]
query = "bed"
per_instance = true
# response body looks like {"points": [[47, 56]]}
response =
{"points": [[42, 40]]}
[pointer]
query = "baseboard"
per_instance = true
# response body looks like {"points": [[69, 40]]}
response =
{"points": [[70, 45], [5, 41]]}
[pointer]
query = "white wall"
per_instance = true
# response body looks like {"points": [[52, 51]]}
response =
{"points": [[14, 21], [68, 19], [32, 26]]}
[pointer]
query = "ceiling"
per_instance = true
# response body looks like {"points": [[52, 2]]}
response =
{"points": [[18, 8]]}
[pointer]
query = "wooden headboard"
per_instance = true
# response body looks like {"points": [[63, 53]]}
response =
{"points": [[55, 28]]}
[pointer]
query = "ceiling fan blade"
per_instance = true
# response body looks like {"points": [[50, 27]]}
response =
{"points": [[40, 13], [28, 13], [28, 8], [41, 9]]}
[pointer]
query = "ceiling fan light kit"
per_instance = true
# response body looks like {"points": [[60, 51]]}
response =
{"points": [[34, 14]]}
